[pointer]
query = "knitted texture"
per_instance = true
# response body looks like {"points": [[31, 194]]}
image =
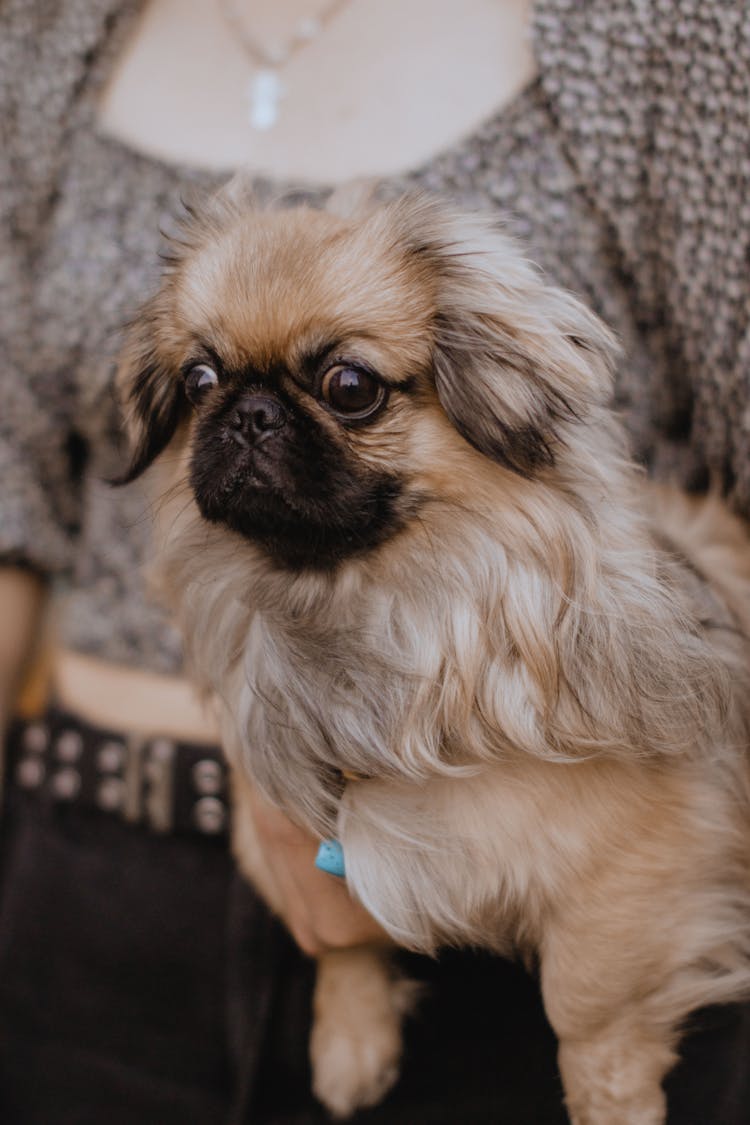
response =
{"points": [[625, 168]]}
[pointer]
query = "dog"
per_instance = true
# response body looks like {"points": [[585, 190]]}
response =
{"points": [[451, 624]]}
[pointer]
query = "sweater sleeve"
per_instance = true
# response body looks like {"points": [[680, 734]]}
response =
{"points": [[39, 459], [40, 452], [651, 100]]}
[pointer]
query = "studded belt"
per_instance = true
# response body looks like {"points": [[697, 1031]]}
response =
{"points": [[159, 783]]}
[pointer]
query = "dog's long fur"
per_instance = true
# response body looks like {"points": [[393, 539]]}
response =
{"points": [[539, 672]]}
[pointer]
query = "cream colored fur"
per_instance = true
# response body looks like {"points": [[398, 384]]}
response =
{"points": [[543, 678]]}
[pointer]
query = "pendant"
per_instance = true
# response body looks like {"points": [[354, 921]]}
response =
{"points": [[264, 92]]}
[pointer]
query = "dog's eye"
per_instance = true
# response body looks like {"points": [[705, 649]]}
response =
{"points": [[199, 381], [352, 391]]}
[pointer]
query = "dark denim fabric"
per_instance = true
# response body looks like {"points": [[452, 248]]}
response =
{"points": [[142, 983]]}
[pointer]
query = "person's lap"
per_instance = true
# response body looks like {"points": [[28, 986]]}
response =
{"points": [[142, 981]]}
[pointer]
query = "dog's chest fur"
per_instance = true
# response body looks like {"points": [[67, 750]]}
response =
{"points": [[475, 826], [308, 703], [368, 681]]}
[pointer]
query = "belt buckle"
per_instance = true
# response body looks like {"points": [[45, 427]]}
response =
{"points": [[149, 782]]}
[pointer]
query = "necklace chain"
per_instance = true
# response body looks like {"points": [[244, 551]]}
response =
{"points": [[280, 54], [266, 89]]}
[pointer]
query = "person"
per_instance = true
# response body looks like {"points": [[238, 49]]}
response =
{"points": [[140, 979]]}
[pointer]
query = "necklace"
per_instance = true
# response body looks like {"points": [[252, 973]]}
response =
{"points": [[265, 89]]}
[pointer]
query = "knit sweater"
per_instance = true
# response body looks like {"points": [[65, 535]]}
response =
{"points": [[624, 167]]}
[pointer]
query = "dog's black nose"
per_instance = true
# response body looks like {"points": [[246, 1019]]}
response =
{"points": [[255, 415]]}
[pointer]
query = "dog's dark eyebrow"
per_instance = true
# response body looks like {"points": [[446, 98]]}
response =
{"points": [[202, 351], [336, 350], [312, 359]]}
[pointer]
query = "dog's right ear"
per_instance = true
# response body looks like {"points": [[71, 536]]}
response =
{"points": [[152, 397], [150, 392]]}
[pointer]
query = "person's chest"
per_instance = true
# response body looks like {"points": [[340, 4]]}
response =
{"points": [[378, 89]]}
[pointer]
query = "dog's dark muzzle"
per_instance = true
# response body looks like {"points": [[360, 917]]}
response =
{"points": [[254, 418]]}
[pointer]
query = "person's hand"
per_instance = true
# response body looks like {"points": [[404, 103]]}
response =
{"points": [[316, 907]]}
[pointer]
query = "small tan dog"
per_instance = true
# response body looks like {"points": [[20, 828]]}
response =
{"points": [[406, 548]]}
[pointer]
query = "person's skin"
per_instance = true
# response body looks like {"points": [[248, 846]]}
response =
{"points": [[411, 76], [317, 907], [385, 85]]}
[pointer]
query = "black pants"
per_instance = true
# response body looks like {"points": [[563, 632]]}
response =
{"points": [[142, 983]]}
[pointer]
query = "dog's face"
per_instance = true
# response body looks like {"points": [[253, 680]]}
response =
{"points": [[324, 379]]}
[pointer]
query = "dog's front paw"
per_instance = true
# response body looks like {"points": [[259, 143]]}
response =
{"points": [[355, 1046], [355, 1063], [615, 1078]]}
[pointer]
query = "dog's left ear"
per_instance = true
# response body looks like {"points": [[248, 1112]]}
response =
{"points": [[152, 398], [516, 360]]}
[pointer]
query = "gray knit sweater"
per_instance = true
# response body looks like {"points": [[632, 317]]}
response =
{"points": [[625, 167]]}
